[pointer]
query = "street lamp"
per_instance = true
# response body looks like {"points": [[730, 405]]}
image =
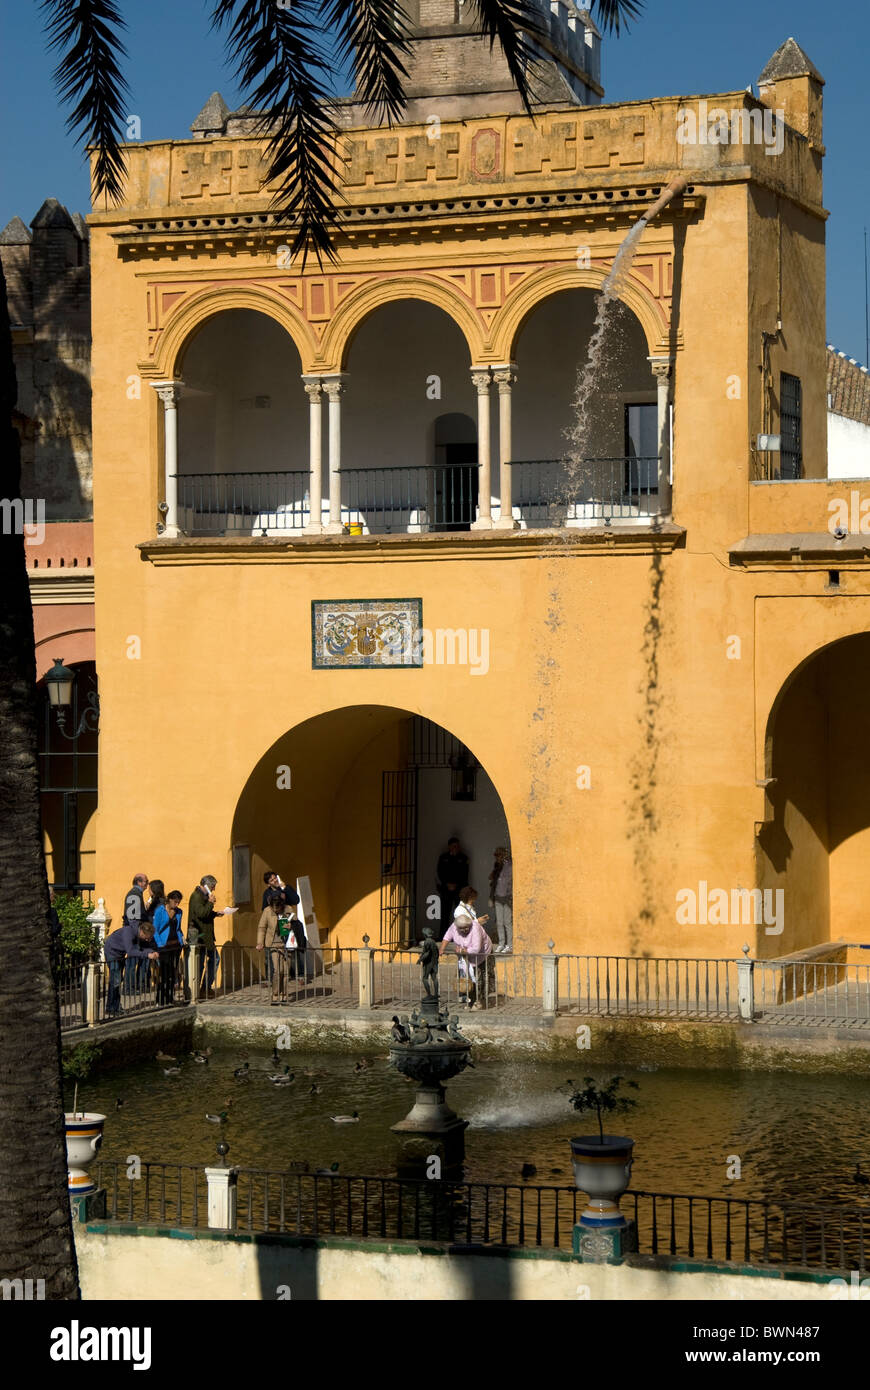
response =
{"points": [[59, 682]]}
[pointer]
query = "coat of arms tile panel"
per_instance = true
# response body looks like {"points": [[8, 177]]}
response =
{"points": [[351, 633]]}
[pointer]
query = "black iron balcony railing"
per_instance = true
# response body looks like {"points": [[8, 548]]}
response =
{"points": [[559, 492], [826, 1237], [378, 501]]}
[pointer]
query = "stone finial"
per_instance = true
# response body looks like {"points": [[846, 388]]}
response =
{"points": [[366, 940], [213, 116], [53, 214], [745, 948], [789, 60], [15, 234]]}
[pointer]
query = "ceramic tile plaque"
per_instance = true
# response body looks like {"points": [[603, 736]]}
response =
{"points": [[358, 632]]}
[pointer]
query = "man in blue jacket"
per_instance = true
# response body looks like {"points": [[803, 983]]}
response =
{"points": [[133, 941]]}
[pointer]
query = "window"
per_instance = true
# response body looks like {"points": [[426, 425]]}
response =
{"points": [[791, 445]]}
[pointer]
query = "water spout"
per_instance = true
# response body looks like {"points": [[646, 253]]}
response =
{"points": [[676, 185]]}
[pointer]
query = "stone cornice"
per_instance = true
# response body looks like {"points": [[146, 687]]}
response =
{"points": [[801, 550], [410, 549], [224, 229], [61, 585]]}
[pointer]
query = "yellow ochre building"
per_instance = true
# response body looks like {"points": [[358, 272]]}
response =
{"points": [[357, 587]]}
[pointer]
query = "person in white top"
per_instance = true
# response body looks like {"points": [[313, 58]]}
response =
{"points": [[465, 907]]}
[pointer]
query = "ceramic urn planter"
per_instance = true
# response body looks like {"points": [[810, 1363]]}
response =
{"points": [[603, 1171], [84, 1135]]}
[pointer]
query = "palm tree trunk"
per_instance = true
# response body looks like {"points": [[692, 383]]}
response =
{"points": [[36, 1238]]}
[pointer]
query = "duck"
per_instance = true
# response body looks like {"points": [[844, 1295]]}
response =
{"points": [[362, 1065], [118, 1103], [528, 1170], [164, 1057], [314, 1089], [200, 1057], [858, 1176], [172, 1071], [345, 1119], [329, 1172], [282, 1078], [218, 1119], [242, 1071]]}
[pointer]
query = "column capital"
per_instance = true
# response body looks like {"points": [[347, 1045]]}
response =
{"points": [[168, 391], [481, 377], [661, 366], [313, 387], [334, 384], [504, 374]]}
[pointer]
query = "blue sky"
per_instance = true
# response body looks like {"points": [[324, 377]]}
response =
{"points": [[677, 47]]}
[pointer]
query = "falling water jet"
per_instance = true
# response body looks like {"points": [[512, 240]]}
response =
{"points": [[579, 431]]}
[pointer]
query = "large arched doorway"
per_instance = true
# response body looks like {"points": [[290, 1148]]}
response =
{"points": [[815, 845], [243, 426], [362, 800]]}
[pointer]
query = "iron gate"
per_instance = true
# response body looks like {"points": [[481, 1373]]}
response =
{"points": [[398, 858]]}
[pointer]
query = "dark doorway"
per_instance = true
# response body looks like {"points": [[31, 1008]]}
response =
{"points": [[454, 504]]}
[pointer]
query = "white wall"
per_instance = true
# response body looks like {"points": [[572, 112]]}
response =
{"points": [[848, 447], [235, 357], [388, 419], [551, 348], [480, 825]]}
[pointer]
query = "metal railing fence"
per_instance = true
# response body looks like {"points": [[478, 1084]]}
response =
{"points": [[658, 987], [558, 492], [299, 1202], [812, 992]]}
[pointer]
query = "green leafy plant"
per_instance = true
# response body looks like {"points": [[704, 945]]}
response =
{"points": [[78, 1065], [78, 937], [603, 1099]]}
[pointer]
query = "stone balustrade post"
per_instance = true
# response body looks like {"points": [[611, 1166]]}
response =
{"points": [[222, 1198], [366, 974], [550, 982], [746, 987], [91, 992]]}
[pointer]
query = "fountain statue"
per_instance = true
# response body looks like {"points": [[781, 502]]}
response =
{"points": [[429, 1048]]}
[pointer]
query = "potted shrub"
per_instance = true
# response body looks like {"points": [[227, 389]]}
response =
{"points": [[602, 1162], [78, 940], [83, 1130]]}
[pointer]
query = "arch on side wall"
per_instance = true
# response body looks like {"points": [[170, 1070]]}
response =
{"points": [[194, 310], [79, 646], [541, 284], [361, 303], [815, 841], [331, 822]]}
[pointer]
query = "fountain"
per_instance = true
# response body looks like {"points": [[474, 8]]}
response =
{"points": [[429, 1049]]}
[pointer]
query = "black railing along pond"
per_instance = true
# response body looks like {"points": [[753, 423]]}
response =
{"points": [[826, 1237]]}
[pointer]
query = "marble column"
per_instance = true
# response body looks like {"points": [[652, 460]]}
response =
{"points": [[505, 376], [169, 393], [333, 386], [314, 390], [482, 380], [661, 368]]}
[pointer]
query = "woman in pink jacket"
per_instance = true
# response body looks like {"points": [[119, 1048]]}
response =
{"points": [[473, 947]]}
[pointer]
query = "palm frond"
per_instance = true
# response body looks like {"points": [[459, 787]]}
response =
{"points": [[284, 74], [514, 24], [87, 35], [375, 36], [615, 14]]}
